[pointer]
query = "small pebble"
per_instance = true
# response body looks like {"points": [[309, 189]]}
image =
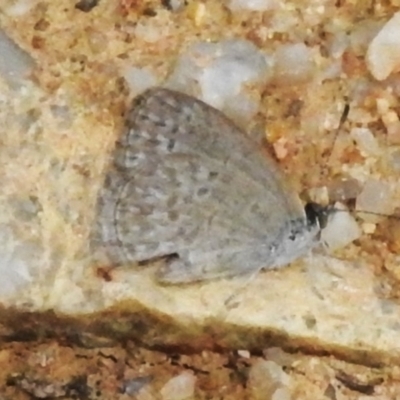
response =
{"points": [[180, 387]]}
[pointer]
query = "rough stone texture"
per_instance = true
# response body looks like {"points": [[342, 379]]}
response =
{"points": [[57, 134], [53, 370]]}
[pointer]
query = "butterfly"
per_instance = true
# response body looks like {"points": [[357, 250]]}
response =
{"points": [[186, 186]]}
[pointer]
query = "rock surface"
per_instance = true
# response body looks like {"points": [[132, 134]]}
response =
{"points": [[58, 133]]}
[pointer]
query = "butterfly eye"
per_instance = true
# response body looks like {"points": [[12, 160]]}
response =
{"points": [[317, 214]]}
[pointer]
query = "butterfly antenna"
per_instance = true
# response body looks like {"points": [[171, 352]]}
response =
{"points": [[331, 209], [343, 119], [389, 216]]}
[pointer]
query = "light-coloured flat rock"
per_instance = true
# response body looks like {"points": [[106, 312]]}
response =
{"points": [[58, 130]]}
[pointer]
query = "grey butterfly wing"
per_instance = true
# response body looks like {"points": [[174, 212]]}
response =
{"points": [[186, 181]]}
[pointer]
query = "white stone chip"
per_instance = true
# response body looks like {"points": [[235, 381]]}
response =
{"points": [[294, 64], [139, 79], [244, 353], [267, 380], [180, 387], [16, 260], [376, 198], [366, 141], [223, 72], [252, 5], [342, 229], [15, 63], [19, 8], [383, 55]]}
